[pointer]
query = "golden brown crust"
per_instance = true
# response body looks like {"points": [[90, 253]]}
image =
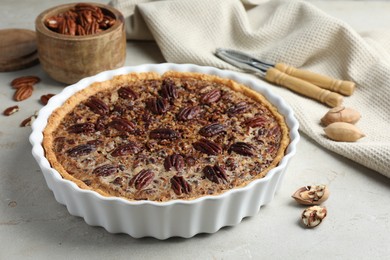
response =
{"points": [[82, 95]]}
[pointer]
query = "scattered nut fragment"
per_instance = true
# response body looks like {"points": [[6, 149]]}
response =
{"points": [[45, 98], [343, 132], [313, 216], [311, 195], [10, 110], [340, 114], [28, 121]]}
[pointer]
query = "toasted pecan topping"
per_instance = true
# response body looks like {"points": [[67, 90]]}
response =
{"points": [[97, 106], [211, 96], [80, 150], [142, 179], [215, 173], [126, 149], [243, 149], [180, 185], [188, 113], [105, 170], [157, 106], [164, 133], [212, 129], [163, 139], [174, 161]]}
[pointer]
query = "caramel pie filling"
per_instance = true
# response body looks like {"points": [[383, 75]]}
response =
{"points": [[164, 137]]}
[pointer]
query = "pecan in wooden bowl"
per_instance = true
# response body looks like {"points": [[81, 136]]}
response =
{"points": [[164, 150], [79, 40]]}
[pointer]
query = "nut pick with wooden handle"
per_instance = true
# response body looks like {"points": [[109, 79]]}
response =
{"points": [[309, 84]]}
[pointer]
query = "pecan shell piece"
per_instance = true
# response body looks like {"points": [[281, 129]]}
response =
{"points": [[163, 134], [207, 147], [211, 96], [313, 216], [142, 179], [125, 149], [157, 106], [188, 113], [97, 106], [174, 161], [212, 129], [311, 195], [243, 148], [180, 185], [105, 170]]}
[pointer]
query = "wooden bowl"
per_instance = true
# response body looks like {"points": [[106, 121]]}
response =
{"points": [[68, 58]]}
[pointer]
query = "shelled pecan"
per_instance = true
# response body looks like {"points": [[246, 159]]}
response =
{"points": [[23, 93], [45, 98], [82, 19]]}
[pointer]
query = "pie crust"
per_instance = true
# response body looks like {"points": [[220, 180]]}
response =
{"points": [[180, 135]]}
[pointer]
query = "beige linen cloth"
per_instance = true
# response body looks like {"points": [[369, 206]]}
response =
{"points": [[293, 32]]}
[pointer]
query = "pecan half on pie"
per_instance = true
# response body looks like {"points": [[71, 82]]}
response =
{"points": [[146, 136]]}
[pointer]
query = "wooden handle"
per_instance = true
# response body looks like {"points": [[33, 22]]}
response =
{"points": [[304, 88], [341, 86]]}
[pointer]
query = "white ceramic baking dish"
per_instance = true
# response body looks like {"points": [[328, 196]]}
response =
{"points": [[163, 219]]}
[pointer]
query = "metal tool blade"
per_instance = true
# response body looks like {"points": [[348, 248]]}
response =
{"points": [[243, 61]]}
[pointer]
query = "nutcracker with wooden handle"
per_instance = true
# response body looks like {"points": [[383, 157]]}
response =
{"points": [[304, 88], [274, 75], [341, 86]]}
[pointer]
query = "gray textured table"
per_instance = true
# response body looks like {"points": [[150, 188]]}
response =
{"points": [[34, 226]]}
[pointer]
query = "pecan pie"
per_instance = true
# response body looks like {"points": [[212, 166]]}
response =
{"points": [[180, 135]]}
